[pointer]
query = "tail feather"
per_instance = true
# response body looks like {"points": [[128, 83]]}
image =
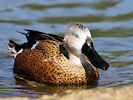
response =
{"points": [[13, 48]]}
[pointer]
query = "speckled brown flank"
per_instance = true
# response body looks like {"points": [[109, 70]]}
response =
{"points": [[46, 64]]}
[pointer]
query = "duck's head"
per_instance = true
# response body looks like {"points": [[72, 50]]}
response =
{"points": [[78, 40]]}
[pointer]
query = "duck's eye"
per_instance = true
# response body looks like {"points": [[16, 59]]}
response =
{"points": [[75, 35]]}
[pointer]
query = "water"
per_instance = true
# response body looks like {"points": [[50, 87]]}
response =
{"points": [[111, 25]]}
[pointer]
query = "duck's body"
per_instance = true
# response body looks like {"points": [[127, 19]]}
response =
{"points": [[56, 60], [47, 64]]}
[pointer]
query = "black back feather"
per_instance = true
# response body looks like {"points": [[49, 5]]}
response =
{"points": [[33, 36]]}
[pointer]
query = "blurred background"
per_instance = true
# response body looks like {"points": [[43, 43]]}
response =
{"points": [[111, 25]]}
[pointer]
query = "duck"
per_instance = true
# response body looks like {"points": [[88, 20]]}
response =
{"points": [[52, 59]]}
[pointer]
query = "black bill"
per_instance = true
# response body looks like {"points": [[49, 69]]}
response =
{"points": [[95, 59]]}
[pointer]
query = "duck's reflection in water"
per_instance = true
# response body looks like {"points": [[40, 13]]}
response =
{"points": [[49, 89]]}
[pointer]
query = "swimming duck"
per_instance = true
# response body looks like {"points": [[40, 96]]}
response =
{"points": [[48, 58]]}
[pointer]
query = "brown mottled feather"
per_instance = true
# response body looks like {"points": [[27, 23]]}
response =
{"points": [[46, 64]]}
